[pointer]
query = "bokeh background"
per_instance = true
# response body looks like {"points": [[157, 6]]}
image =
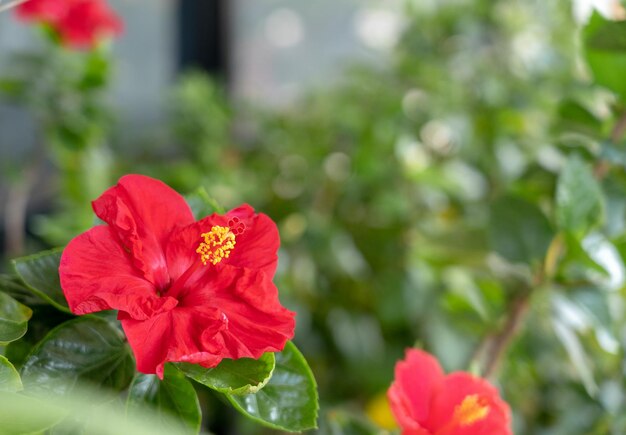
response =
{"points": [[399, 146]]}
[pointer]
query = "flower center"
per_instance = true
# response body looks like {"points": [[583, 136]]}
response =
{"points": [[473, 408], [217, 245]]}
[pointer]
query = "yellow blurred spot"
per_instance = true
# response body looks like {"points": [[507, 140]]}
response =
{"points": [[378, 410]]}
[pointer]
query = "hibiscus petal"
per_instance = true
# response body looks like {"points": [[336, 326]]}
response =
{"points": [[97, 274], [257, 322], [417, 377], [257, 246], [445, 418], [143, 213], [178, 335]]}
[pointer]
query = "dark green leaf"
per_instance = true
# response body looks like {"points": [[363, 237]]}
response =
{"points": [[573, 117], [174, 396], [606, 35], [289, 400], [41, 273], [88, 349], [605, 50], [13, 319], [518, 230], [9, 378], [579, 201], [241, 376], [14, 420]]}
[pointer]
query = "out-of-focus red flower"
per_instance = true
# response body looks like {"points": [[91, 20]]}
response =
{"points": [[88, 21], [48, 11], [186, 291], [79, 23], [425, 401]]}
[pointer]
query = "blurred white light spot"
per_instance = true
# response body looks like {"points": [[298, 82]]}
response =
{"points": [[348, 256], [606, 255], [607, 341], [570, 314], [284, 28], [609, 8], [379, 29], [469, 181], [437, 136], [337, 166], [550, 158], [412, 154], [530, 49], [511, 159]]}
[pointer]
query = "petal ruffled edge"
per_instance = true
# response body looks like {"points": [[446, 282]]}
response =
{"points": [[143, 212], [179, 335], [256, 320], [97, 274]]}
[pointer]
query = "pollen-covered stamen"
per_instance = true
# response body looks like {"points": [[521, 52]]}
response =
{"points": [[217, 245], [471, 410]]}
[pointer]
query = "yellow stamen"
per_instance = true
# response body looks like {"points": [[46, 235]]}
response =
{"points": [[472, 409], [217, 245]]}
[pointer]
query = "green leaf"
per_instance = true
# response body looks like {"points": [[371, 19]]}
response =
{"points": [[202, 204], [577, 355], [13, 319], [240, 376], [289, 400], [579, 200], [9, 378], [87, 349], [576, 255], [15, 420], [174, 396], [518, 230], [605, 50], [574, 117], [40, 272]]}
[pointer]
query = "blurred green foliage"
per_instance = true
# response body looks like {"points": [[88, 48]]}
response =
{"points": [[466, 195]]}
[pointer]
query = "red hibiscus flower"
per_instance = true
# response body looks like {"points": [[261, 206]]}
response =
{"points": [[87, 22], [79, 23], [185, 290], [425, 401], [47, 11]]}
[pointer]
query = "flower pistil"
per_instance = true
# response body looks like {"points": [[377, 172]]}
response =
{"points": [[471, 410]]}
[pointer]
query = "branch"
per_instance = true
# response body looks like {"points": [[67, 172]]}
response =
{"points": [[618, 129], [501, 341], [602, 167]]}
